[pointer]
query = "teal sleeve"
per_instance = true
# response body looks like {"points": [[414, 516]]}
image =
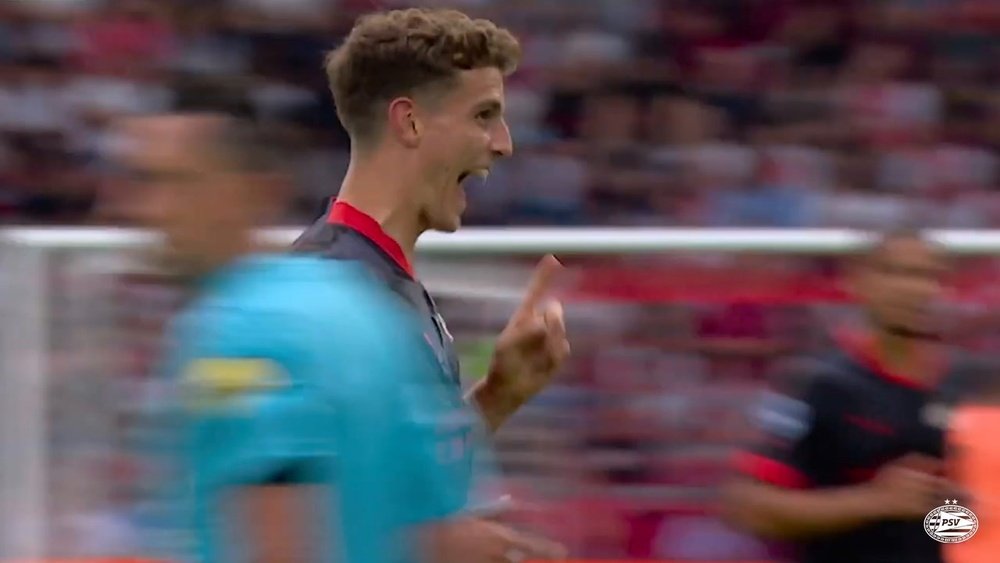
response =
{"points": [[255, 411]]}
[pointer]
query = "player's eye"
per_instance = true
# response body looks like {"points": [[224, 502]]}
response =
{"points": [[486, 115]]}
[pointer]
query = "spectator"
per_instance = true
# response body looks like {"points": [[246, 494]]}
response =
{"points": [[763, 202], [665, 105], [125, 33]]}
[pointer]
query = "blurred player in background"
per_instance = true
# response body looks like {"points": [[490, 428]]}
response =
{"points": [[421, 93], [314, 409], [851, 461]]}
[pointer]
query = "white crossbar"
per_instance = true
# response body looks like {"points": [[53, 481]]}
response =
{"points": [[561, 240]]}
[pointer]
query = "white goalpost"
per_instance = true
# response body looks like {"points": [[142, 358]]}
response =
{"points": [[34, 261]]}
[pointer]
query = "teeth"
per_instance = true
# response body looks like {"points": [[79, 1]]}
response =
{"points": [[482, 173]]}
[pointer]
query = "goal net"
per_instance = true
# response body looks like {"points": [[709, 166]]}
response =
{"points": [[674, 335]]}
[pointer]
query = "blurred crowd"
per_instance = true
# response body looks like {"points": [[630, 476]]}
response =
{"points": [[777, 113]]}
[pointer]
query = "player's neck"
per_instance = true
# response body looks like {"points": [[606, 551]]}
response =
{"points": [[376, 189], [902, 354]]}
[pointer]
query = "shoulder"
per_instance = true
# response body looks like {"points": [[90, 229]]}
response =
{"points": [[973, 374], [827, 382], [308, 315], [340, 306], [822, 379], [287, 297], [300, 285], [316, 237], [804, 392], [330, 241]]}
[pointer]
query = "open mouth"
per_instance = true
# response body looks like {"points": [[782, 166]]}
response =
{"points": [[482, 173]]}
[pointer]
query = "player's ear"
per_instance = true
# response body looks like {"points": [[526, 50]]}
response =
{"points": [[404, 123]]}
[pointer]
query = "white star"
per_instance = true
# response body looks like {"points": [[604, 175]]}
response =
{"points": [[946, 501], [954, 501]]}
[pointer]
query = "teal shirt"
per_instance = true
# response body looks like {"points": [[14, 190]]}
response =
{"points": [[304, 370]]}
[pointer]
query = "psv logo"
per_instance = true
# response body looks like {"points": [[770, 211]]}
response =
{"points": [[951, 523]]}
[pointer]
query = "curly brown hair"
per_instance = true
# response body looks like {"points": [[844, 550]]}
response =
{"points": [[408, 53]]}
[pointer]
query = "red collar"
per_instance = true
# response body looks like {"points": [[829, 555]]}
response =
{"points": [[861, 347], [342, 213]]}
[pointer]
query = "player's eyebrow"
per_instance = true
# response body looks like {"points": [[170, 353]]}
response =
{"points": [[492, 106]]}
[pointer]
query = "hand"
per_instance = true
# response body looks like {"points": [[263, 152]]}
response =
{"points": [[472, 540], [533, 345], [908, 487]]}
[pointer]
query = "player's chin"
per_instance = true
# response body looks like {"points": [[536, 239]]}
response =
{"points": [[449, 221], [449, 225]]}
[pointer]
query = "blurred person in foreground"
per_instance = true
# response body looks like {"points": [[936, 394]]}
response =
{"points": [[314, 411], [852, 455], [421, 94]]}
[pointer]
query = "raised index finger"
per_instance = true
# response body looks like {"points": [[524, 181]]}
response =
{"points": [[541, 282]]}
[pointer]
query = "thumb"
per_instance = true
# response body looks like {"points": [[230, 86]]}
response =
{"points": [[537, 547], [495, 508], [922, 463], [963, 495]]}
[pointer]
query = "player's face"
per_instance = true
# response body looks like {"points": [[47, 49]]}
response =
{"points": [[465, 133], [182, 192], [901, 284]]}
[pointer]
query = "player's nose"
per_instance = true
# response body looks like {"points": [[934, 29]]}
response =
{"points": [[501, 143]]}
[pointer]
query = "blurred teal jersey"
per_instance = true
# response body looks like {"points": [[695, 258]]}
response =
{"points": [[300, 370]]}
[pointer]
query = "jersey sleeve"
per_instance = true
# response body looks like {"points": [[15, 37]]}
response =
{"points": [[254, 408], [792, 421]]}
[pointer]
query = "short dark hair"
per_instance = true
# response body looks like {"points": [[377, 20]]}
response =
{"points": [[406, 52]]}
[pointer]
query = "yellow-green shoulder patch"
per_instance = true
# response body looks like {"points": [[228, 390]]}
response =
{"points": [[218, 379]]}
